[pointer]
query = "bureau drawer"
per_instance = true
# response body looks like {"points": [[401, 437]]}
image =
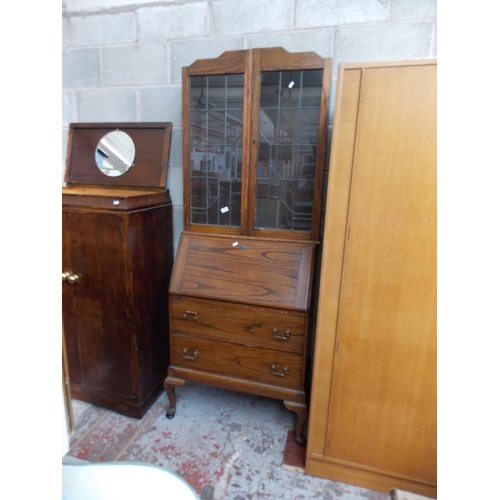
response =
{"points": [[239, 324], [250, 363]]}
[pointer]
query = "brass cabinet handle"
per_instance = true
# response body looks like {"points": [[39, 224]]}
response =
{"points": [[281, 337], [70, 278], [186, 313], [276, 372], [191, 357]]}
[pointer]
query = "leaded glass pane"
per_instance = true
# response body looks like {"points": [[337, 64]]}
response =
{"points": [[288, 136], [215, 131]]}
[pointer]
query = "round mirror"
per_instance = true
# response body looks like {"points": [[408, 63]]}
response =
{"points": [[115, 153]]}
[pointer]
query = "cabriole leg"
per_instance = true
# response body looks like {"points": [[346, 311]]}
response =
{"points": [[169, 384], [301, 410]]}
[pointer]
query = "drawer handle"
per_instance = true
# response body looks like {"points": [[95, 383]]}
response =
{"points": [[276, 372], [186, 313], [191, 357], [281, 337]]}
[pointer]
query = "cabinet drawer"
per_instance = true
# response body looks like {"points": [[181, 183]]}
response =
{"points": [[249, 363], [239, 324]]}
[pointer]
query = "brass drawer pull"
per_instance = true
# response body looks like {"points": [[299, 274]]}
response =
{"points": [[274, 371], [281, 337], [186, 313], [191, 357]]}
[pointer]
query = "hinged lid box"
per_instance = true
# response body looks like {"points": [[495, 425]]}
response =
{"points": [[149, 169], [121, 166]]}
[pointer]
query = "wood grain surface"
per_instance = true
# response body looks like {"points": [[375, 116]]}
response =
{"points": [[152, 146], [374, 409], [249, 363], [250, 271], [116, 316], [239, 324]]}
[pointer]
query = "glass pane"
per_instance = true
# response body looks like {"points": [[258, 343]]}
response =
{"points": [[216, 92], [198, 91], [270, 85], [311, 88], [216, 129], [234, 91], [309, 120], [288, 136]]}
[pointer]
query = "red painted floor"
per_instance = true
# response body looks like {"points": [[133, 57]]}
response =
{"points": [[227, 445]]}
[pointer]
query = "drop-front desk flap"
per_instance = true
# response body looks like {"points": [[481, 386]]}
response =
{"points": [[245, 270]]}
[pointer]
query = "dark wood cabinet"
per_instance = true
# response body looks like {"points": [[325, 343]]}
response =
{"points": [[254, 143], [117, 262]]}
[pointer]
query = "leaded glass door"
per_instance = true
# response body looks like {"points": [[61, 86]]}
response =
{"points": [[288, 138], [255, 126], [216, 131]]}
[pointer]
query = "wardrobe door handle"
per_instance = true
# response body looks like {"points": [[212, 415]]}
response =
{"points": [[276, 372], [65, 276], [286, 336]]}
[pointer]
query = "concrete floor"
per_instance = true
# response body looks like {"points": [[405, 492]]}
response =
{"points": [[227, 445]]}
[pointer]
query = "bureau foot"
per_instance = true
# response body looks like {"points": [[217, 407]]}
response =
{"points": [[169, 384], [301, 411]]}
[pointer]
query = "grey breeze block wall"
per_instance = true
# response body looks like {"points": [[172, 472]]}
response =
{"points": [[124, 64]]}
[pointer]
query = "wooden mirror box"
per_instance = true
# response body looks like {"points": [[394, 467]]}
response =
{"points": [[254, 147], [117, 261]]}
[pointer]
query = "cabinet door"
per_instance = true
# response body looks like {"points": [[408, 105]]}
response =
{"points": [[99, 335], [254, 143], [382, 411], [373, 405], [215, 149], [289, 117]]}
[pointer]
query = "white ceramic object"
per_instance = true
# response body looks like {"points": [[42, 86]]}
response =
{"points": [[123, 481]]}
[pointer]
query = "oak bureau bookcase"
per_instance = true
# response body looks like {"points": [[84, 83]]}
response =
{"points": [[254, 142], [117, 260]]}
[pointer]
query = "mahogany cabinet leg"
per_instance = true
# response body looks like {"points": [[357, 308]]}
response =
{"points": [[169, 384], [301, 410]]}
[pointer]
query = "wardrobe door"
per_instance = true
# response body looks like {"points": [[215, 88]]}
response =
{"points": [[373, 403], [383, 405]]}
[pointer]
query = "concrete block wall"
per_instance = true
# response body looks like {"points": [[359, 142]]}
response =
{"points": [[122, 62]]}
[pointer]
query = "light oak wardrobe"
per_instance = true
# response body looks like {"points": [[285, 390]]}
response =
{"points": [[373, 408]]}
